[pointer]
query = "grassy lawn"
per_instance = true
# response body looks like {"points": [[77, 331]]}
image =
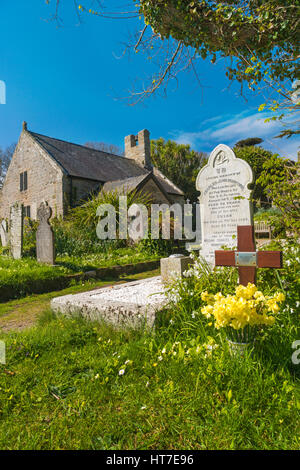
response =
{"points": [[108, 259], [71, 264], [22, 277], [23, 313], [69, 384]]}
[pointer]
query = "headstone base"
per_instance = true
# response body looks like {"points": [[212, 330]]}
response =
{"points": [[173, 267]]}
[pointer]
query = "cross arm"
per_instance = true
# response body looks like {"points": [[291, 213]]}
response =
{"points": [[264, 259]]}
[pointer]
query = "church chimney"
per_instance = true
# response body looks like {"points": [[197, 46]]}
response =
{"points": [[138, 149]]}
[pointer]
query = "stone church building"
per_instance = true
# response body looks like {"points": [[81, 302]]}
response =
{"points": [[62, 173]]}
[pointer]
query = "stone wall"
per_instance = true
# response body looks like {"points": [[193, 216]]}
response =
{"points": [[176, 199], [44, 179], [157, 195], [80, 188], [138, 148]]}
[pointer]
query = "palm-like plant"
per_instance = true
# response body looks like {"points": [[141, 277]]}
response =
{"points": [[84, 216]]}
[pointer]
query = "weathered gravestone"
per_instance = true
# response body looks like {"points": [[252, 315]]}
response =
{"points": [[45, 249], [4, 233], [173, 267], [133, 304], [16, 230], [224, 200]]}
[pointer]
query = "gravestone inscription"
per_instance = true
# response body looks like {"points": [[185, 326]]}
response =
{"points": [[224, 200], [16, 230], [45, 248]]}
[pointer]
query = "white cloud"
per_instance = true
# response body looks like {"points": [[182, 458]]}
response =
{"points": [[230, 129], [249, 126]]}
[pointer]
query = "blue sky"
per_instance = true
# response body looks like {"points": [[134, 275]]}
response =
{"points": [[69, 83]]}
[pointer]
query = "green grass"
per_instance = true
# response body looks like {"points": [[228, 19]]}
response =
{"points": [[22, 313], [107, 259], [182, 388], [61, 389], [70, 264], [22, 277]]}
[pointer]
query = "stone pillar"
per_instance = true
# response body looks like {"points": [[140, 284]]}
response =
{"points": [[138, 148], [16, 230], [45, 247]]}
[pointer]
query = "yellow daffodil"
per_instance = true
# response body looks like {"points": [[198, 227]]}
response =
{"points": [[247, 307]]}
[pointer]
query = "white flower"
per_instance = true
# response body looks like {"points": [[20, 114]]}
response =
{"points": [[127, 362], [147, 384], [122, 372], [164, 351], [160, 358], [143, 407]]}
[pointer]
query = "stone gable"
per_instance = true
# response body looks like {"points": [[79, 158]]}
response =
{"points": [[44, 179]]}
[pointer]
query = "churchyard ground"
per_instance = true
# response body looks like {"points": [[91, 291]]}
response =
{"points": [[69, 384], [72, 384]]}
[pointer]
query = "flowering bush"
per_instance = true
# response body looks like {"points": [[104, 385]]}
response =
{"points": [[247, 308], [287, 278]]}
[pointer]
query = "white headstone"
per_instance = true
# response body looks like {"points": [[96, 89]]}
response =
{"points": [[224, 200]]}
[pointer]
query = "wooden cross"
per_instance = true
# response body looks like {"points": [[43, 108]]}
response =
{"points": [[246, 258]]}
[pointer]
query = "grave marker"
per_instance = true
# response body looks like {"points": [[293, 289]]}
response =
{"points": [[224, 200], [45, 249], [4, 233], [246, 258], [173, 267], [16, 230]]}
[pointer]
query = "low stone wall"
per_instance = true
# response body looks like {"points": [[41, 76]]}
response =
{"points": [[116, 271], [62, 282]]}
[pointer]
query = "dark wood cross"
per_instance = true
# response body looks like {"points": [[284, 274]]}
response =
{"points": [[246, 258]]}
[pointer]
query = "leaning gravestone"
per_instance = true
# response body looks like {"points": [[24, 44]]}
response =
{"points": [[16, 230], [224, 200], [4, 233], [45, 249]]}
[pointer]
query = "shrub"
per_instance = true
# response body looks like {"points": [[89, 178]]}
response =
{"points": [[76, 234], [274, 219], [29, 237]]}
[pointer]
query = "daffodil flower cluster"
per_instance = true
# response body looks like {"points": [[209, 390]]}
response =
{"points": [[247, 307]]}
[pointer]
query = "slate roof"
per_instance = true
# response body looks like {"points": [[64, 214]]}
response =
{"points": [[126, 185], [84, 162]]}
